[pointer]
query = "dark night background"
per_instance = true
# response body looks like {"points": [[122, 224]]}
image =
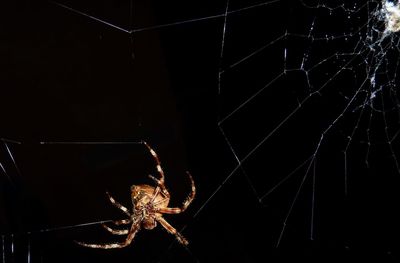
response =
{"points": [[65, 77]]}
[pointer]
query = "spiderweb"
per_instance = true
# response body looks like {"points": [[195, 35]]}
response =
{"points": [[305, 120]]}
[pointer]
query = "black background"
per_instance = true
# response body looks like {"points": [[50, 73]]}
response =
{"points": [[68, 78]]}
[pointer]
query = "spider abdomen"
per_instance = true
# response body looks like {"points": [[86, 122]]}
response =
{"points": [[143, 195]]}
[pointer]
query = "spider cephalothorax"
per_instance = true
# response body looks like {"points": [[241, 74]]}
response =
{"points": [[149, 203]]}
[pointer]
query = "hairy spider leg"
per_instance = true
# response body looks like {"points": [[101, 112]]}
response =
{"points": [[132, 232], [118, 205], [122, 222], [186, 203], [115, 231], [155, 193], [155, 157], [160, 182], [118, 223], [172, 231], [159, 187]]}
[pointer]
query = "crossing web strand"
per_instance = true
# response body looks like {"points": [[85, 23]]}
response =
{"points": [[308, 104], [361, 47]]}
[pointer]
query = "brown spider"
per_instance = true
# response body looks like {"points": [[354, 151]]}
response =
{"points": [[149, 203]]}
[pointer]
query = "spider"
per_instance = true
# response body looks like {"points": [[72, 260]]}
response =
{"points": [[149, 203]]}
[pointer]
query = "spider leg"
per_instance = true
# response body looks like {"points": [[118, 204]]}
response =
{"points": [[122, 222], [118, 223], [186, 203], [164, 190], [132, 232], [159, 182], [155, 193], [118, 205], [115, 231], [172, 231], [159, 169]]}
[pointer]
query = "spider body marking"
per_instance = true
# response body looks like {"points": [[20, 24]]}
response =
{"points": [[149, 203], [145, 207]]}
